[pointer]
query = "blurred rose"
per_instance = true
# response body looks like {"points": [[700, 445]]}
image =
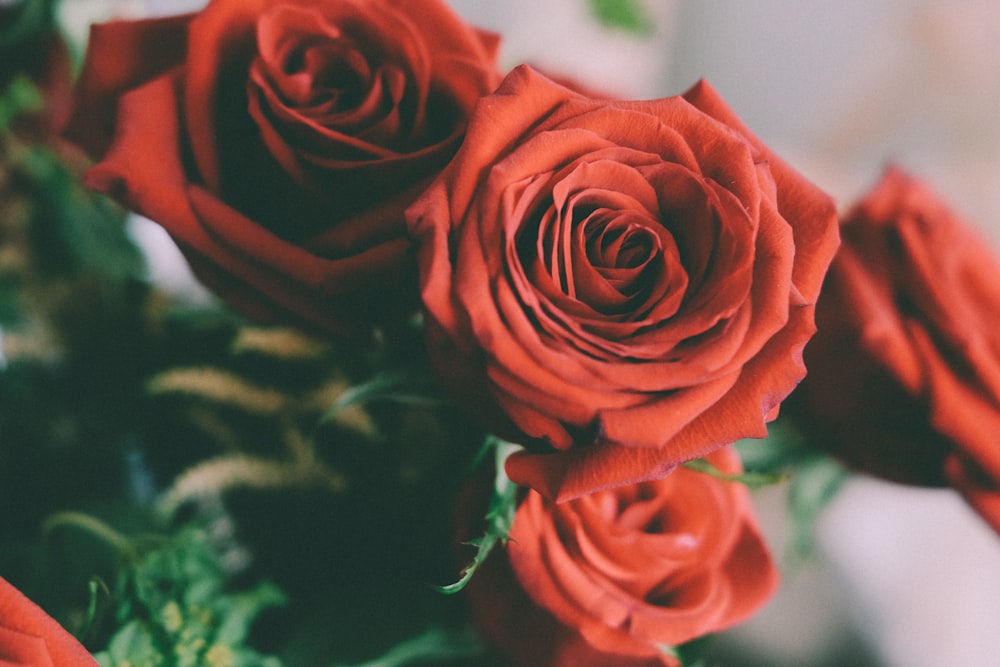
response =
{"points": [[610, 578], [279, 142], [30, 637], [904, 373], [621, 286]]}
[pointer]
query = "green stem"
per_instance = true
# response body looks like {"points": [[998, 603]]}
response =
{"points": [[94, 527]]}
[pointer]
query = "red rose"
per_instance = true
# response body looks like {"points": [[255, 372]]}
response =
{"points": [[30, 637], [904, 373], [621, 286], [612, 577], [279, 142]]}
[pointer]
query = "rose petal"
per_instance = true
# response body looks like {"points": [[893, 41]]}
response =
{"points": [[30, 637]]}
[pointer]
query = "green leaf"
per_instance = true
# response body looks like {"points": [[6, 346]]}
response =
{"points": [[240, 610], [98, 604], [753, 480], [778, 452], [412, 385], [627, 15], [499, 519], [78, 230], [21, 96], [815, 482], [133, 644], [690, 652], [815, 478]]}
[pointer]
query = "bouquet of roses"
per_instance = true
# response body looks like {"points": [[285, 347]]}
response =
{"points": [[487, 327]]}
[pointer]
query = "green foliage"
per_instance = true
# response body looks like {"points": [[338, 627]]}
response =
{"points": [[21, 96], [76, 230], [348, 514], [414, 384], [66, 252], [814, 479], [174, 607], [689, 654], [499, 519], [815, 483], [23, 21], [627, 15]]}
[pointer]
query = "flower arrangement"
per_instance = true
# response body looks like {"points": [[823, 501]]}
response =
{"points": [[496, 363]]}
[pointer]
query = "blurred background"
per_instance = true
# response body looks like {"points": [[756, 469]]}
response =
{"points": [[900, 577]]}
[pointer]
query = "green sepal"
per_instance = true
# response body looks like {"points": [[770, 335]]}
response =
{"points": [[133, 644]]}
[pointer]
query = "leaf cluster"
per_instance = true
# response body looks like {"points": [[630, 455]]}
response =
{"points": [[626, 15], [175, 607]]}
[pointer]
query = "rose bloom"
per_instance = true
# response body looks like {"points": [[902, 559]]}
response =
{"points": [[614, 577], [279, 141], [904, 373], [29, 636], [620, 286]]}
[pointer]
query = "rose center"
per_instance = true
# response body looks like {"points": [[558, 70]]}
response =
{"points": [[336, 87], [325, 72], [603, 245], [618, 244]]}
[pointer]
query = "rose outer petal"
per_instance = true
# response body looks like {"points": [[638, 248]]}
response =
{"points": [[795, 196], [119, 61], [29, 636], [568, 474]]}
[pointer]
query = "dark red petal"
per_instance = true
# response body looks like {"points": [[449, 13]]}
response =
{"points": [[121, 55]]}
